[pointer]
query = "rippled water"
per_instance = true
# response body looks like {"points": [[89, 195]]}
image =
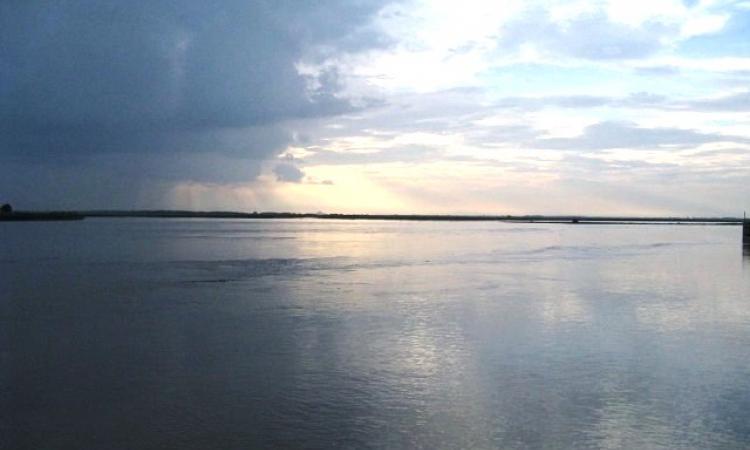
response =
{"points": [[129, 333]]}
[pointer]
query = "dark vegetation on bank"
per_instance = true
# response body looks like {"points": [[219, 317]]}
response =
{"points": [[25, 216], [39, 216], [8, 214]]}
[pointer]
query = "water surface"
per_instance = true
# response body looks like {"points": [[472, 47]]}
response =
{"points": [[192, 334]]}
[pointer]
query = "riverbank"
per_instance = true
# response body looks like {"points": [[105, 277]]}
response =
{"points": [[40, 216], [412, 217], [182, 214]]}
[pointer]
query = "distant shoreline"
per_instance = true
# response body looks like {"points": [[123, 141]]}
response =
{"points": [[182, 214], [574, 219], [28, 216]]}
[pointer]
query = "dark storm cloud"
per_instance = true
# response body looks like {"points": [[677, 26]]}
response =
{"points": [[613, 134], [153, 66], [166, 77]]}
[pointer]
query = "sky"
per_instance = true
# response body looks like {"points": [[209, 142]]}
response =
{"points": [[405, 106]]}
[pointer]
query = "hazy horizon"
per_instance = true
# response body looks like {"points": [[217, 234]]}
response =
{"points": [[491, 215]]}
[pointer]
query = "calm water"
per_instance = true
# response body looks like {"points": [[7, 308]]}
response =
{"points": [[194, 334]]}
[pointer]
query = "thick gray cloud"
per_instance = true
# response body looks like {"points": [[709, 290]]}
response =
{"points": [[155, 65], [288, 172], [613, 134], [166, 77]]}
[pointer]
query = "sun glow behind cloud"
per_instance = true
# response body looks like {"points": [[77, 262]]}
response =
{"points": [[485, 149]]}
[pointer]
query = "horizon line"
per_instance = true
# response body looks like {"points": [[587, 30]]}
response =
{"points": [[185, 213]]}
